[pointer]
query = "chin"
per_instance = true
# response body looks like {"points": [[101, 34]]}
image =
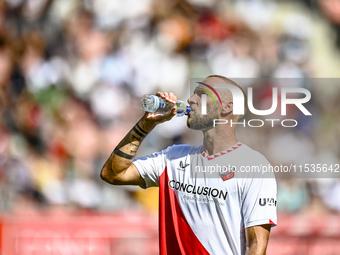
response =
{"points": [[195, 126], [188, 122]]}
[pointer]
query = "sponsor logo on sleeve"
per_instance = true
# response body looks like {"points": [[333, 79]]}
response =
{"points": [[267, 202]]}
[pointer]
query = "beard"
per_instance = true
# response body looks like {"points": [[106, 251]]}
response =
{"points": [[200, 122]]}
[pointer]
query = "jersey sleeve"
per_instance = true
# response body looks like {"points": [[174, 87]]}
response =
{"points": [[259, 202], [151, 167], [259, 195]]}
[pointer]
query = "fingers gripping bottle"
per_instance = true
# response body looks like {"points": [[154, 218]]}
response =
{"points": [[152, 103]]}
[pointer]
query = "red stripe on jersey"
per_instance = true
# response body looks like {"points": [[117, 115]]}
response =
{"points": [[176, 236]]}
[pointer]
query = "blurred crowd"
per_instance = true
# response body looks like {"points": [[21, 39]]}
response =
{"points": [[72, 74]]}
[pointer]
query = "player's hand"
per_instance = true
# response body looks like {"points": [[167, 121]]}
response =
{"points": [[157, 118]]}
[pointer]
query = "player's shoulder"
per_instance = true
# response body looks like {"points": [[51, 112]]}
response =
{"points": [[252, 163], [181, 150], [252, 156]]}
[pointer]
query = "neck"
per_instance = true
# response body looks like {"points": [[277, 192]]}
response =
{"points": [[218, 139]]}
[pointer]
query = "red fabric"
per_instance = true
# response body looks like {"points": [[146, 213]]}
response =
{"points": [[176, 236], [228, 176]]}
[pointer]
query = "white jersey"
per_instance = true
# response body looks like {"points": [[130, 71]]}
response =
{"points": [[206, 212]]}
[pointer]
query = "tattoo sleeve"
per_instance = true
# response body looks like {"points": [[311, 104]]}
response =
{"points": [[128, 147], [121, 157], [122, 154]]}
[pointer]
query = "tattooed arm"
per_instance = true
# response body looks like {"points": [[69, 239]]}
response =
{"points": [[118, 169]]}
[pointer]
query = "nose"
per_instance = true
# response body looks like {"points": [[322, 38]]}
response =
{"points": [[191, 99]]}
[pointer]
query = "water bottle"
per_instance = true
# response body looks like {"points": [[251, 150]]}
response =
{"points": [[152, 103]]}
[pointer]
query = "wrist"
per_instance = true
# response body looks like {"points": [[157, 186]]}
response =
{"points": [[146, 124]]}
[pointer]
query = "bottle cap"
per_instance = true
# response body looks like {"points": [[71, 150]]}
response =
{"points": [[188, 110]]}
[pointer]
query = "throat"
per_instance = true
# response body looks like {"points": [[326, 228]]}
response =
{"points": [[213, 146]]}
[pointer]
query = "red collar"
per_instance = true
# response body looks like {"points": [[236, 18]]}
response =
{"points": [[216, 155]]}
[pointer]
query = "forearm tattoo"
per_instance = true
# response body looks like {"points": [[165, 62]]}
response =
{"points": [[119, 153], [135, 137], [142, 130], [139, 132]]}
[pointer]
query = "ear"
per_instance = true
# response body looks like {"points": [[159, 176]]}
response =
{"points": [[227, 107]]}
